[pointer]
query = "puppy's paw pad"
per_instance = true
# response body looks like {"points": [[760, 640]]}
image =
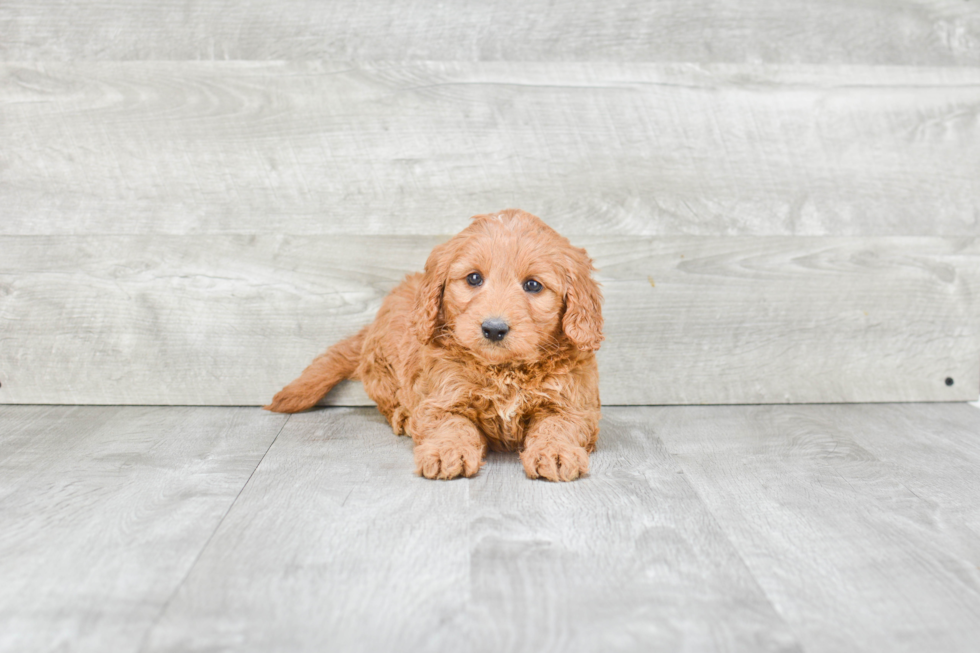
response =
{"points": [[555, 461], [446, 459]]}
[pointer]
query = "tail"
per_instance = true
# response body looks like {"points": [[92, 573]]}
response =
{"points": [[327, 370]]}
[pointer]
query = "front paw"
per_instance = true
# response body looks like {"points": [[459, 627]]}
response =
{"points": [[554, 460], [447, 458]]}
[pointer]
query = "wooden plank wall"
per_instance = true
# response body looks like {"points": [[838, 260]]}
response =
{"points": [[417, 148], [866, 32], [784, 199]]}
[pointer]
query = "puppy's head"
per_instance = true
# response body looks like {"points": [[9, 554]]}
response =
{"points": [[509, 288]]}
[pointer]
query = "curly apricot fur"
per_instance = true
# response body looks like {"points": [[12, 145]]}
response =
{"points": [[434, 375]]}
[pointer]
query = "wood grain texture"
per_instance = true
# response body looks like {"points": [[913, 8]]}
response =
{"points": [[903, 436], [228, 320], [104, 511], [932, 32], [790, 528], [336, 545], [841, 541], [416, 148], [628, 560]]}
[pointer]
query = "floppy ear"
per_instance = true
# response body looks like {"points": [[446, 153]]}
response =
{"points": [[428, 297], [582, 322]]}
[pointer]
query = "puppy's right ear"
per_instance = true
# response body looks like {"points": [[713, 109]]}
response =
{"points": [[428, 297]]}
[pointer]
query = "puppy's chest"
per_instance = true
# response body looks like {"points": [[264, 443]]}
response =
{"points": [[505, 406]]}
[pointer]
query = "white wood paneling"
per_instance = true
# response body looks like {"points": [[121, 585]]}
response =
{"points": [[415, 148], [336, 545], [230, 319], [919, 32], [104, 510]]}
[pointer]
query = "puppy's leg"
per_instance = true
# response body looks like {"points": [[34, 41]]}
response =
{"points": [[557, 447], [448, 446], [327, 370]]}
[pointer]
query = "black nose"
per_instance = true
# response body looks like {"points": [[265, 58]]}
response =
{"points": [[495, 329]]}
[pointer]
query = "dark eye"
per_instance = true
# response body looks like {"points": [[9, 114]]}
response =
{"points": [[474, 279], [532, 285]]}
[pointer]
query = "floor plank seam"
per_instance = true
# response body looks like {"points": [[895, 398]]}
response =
{"points": [[728, 538], [197, 558]]}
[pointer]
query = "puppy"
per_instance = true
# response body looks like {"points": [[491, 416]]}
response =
{"points": [[492, 346]]}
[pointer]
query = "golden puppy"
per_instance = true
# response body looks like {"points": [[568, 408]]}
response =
{"points": [[493, 345]]}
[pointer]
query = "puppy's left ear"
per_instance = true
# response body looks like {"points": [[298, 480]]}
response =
{"points": [[583, 302]]}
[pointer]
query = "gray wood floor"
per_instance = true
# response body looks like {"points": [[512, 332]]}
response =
{"points": [[807, 528]]}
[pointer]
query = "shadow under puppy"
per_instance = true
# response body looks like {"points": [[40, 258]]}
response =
{"points": [[493, 345]]}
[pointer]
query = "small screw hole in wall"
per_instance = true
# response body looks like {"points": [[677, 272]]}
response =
{"points": [[949, 380]]}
